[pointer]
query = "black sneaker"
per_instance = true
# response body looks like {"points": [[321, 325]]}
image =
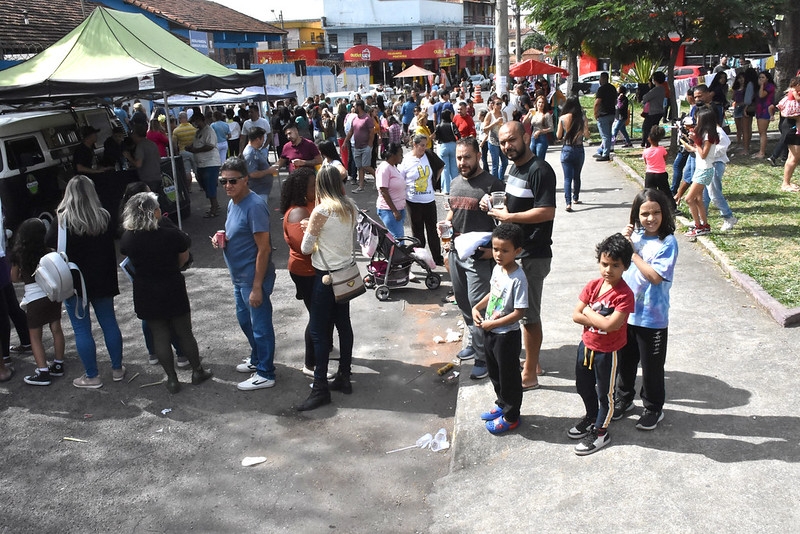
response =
{"points": [[20, 349], [621, 407], [581, 428], [592, 443], [57, 369], [39, 378], [649, 420]]}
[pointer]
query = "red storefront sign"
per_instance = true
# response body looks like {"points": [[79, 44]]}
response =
{"points": [[431, 50], [276, 56]]}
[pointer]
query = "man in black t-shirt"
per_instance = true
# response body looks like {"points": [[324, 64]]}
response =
{"points": [[604, 103], [530, 203], [471, 276], [83, 158]]}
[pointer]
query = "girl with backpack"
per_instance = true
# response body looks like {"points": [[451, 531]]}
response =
{"points": [[39, 310]]}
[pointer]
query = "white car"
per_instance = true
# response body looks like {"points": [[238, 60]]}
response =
{"points": [[478, 79]]}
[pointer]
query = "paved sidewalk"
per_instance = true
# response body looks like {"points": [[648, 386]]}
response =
{"points": [[723, 459]]}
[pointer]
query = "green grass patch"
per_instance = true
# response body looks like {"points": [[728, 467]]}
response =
{"points": [[766, 243]]}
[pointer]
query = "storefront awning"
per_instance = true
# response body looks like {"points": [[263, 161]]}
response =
{"points": [[434, 49]]}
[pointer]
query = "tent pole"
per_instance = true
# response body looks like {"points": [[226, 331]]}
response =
{"points": [[175, 177]]}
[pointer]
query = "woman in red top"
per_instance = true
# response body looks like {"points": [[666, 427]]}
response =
{"points": [[297, 203], [157, 135]]}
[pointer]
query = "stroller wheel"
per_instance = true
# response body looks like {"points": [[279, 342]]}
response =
{"points": [[369, 281], [433, 281], [382, 293]]}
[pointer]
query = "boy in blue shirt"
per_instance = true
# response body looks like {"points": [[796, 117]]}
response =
{"points": [[505, 305]]}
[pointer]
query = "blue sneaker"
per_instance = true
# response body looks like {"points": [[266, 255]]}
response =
{"points": [[500, 425], [492, 414], [466, 354], [479, 372]]}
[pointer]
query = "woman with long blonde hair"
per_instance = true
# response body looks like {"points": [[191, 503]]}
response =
{"points": [[329, 239], [90, 245]]}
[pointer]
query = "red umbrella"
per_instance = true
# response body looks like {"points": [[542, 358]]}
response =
{"points": [[531, 67]]}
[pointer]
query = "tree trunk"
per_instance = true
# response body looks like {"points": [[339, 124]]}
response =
{"points": [[788, 62]]}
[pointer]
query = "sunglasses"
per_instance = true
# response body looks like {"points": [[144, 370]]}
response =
{"points": [[225, 181]]}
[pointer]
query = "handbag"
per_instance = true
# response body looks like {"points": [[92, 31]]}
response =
{"points": [[346, 282]]}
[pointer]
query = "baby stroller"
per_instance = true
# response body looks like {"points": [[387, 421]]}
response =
{"points": [[391, 258]]}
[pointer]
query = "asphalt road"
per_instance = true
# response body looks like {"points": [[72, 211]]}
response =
{"points": [[141, 468]]}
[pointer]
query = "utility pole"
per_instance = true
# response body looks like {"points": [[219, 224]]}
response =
{"points": [[518, 21], [501, 46], [284, 44]]}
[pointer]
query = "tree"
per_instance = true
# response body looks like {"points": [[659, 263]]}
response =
{"points": [[534, 40]]}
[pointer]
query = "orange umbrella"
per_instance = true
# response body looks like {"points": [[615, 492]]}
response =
{"points": [[531, 67]]}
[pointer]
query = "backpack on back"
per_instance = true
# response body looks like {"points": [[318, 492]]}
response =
{"points": [[54, 275]]}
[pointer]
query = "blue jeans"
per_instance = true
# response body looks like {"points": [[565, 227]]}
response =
{"points": [[539, 146], [394, 226], [84, 342], [324, 312], [499, 162], [688, 169], [677, 170], [447, 151], [713, 192], [256, 323], [572, 158], [604, 125], [620, 128]]}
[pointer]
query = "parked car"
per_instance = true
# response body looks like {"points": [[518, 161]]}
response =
{"points": [[36, 160], [689, 71], [479, 79], [590, 83]]}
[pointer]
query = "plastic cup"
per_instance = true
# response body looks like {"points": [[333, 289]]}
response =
{"points": [[498, 199], [445, 231]]}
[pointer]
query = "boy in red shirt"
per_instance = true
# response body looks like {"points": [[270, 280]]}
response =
{"points": [[602, 309]]}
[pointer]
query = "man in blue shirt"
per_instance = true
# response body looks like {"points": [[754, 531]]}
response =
{"points": [[258, 166], [407, 113], [247, 254]]}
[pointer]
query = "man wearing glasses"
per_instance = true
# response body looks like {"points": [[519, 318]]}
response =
{"points": [[247, 251]]}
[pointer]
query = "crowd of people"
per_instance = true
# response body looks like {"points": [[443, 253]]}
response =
{"points": [[497, 285]]}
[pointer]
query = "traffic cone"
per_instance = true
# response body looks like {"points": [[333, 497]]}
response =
{"points": [[478, 98]]}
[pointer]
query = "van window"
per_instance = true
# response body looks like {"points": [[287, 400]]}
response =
{"points": [[24, 152]]}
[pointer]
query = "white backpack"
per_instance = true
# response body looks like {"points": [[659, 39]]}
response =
{"points": [[54, 275]]}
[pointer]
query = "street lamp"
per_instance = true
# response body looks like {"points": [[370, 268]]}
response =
{"points": [[283, 36]]}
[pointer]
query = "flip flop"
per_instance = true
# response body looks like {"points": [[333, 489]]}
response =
{"points": [[531, 388]]}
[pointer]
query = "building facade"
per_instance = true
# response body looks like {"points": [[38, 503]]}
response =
{"points": [[390, 35]]}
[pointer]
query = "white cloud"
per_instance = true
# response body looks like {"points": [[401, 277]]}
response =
{"points": [[262, 10]]}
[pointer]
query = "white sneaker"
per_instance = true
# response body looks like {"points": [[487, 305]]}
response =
{"points": [[256, 382], [729, 223], [310, 373], [246, 368]]}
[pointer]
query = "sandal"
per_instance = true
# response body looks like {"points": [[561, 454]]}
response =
{"points": [[495, 413], [790, 188], [500, 425]]}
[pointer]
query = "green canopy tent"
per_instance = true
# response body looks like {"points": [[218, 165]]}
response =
{"points": [[117, 54]]}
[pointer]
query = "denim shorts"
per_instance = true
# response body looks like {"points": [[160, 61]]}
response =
{"points": [[703, 177]]}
